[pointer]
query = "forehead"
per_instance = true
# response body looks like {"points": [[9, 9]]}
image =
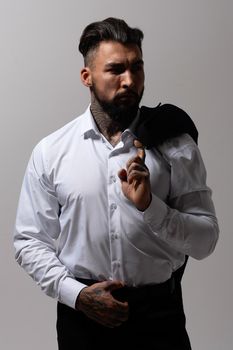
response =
{"points": [[115, 52]]}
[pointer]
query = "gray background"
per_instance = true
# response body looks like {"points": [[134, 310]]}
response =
{"points": [[188, 52]]}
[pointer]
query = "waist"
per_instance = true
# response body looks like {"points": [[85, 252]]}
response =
{"points": [[144, 292]]}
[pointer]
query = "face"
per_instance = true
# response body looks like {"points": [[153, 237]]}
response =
{"points": [[116, 77]]}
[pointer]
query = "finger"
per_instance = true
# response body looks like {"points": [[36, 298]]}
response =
{"points": [[122, 310], [140, 150], [105, 322], [104, 287], [138, 144], [136, 166], [133, 160], [141, 154], [111, 320], [136, 159], [122, 174], [137, 177], [113, 285], [137, 171], [113, 324]]}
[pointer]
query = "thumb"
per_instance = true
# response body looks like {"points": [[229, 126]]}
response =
{"points": [[113, 285]]}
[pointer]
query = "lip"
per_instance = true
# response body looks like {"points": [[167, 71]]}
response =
{"points": [[123, 97], [127, 95]]}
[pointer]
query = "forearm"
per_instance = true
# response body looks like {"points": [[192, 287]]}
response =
{"points": [[191, 228], [39, 260]]}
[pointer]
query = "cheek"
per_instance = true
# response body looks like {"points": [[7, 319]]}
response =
{"points": [[108, 87], [141, 84], [141, 79]]}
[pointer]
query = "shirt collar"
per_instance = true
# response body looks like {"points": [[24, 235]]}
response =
{"points": [[90, 129]]}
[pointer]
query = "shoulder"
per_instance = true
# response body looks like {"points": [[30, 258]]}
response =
{"points": [[54, 146], [188, 171], [66, 132], [177, 146], [62, 136]]}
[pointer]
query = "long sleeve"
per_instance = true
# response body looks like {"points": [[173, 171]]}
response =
{"points": [[36, 229], [187, 221]]}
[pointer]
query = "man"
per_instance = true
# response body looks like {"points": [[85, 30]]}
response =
{"points": [[104, 224]]}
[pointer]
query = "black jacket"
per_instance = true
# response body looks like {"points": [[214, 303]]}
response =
{"points": [[154, 126], [157, 124]]}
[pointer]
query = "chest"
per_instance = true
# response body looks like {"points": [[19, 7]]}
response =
{"points": [[91, 172]]}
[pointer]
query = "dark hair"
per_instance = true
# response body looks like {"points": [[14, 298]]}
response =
{"points": [[109, 29]]}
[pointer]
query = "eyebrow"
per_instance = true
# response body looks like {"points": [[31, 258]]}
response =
{"points": [[119, 64]]}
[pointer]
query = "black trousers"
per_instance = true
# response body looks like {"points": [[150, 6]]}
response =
{"points": [[156, 321]]}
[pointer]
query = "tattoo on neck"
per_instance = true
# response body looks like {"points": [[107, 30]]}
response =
{"points": [[110, 128]]}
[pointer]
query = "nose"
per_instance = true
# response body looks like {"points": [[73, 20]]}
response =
{"points": [[127, 79]]}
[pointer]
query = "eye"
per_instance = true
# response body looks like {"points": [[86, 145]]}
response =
{"points": [[137, 68], [117, 70]]}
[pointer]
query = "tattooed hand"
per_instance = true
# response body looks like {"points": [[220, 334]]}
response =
{"points": [[97, 303]]}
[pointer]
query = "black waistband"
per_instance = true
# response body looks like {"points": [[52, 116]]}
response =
{"points": [[142, 292]]}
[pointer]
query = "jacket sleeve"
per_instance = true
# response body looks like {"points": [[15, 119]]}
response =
{"points": [[187, 221], [36, 229]]}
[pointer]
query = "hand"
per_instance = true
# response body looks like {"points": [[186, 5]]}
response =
{"points": [[98, 304], [135, 180]]}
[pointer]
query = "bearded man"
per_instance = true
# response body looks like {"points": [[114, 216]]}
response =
{"points": [[103, 223]]}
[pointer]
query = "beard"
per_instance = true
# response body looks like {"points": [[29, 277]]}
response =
{"points": [[122, 108]]}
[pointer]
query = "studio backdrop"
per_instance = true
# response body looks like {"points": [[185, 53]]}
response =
{"points": [[188, 56]]}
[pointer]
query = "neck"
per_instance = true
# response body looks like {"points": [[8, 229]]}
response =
{"points": [[111, 129]]}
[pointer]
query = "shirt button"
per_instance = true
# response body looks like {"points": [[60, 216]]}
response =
{"points": [[116, 263], [112, 178], [114, 236], [113, 206]]}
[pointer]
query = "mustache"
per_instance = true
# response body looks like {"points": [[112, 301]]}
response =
{"points": [[127, 93]]}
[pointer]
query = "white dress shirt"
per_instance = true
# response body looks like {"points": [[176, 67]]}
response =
{"points": [[74, 221]]}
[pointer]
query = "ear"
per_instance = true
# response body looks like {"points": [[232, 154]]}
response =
{"points": [[86, 77]]}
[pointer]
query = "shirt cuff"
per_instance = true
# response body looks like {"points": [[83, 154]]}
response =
{"points": [[155, 214], [69, 291]]}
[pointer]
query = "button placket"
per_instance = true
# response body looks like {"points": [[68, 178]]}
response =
{"points": [[114, 237]]}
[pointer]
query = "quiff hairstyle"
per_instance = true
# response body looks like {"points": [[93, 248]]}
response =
{"points": [[110, 29]]}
